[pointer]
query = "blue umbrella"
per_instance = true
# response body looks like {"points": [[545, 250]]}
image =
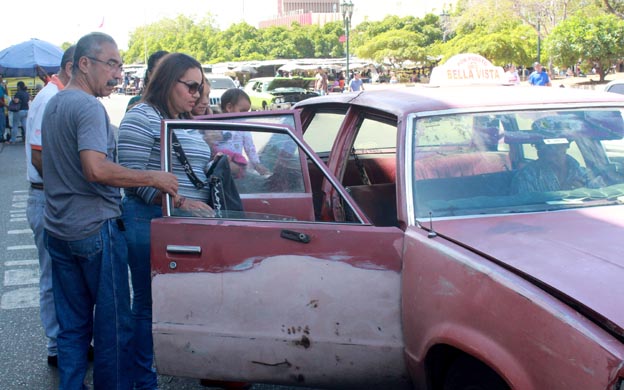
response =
{"points": [[22, 59]]}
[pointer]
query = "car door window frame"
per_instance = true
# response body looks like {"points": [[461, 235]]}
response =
{"points": [[166, 146]]}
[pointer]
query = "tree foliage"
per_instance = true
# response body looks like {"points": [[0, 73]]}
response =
{"points": [[503, 31], [595, 41]]}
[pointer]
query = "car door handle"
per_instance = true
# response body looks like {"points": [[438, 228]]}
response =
{"points": [[295, 236], [187, 249]]}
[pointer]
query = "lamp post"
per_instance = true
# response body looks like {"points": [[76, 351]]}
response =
{"points": [[444, 18], [539, 38], [346, 8]]}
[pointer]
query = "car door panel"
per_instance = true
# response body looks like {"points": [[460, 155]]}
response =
{"points": [[253, 304], [289, 301]]}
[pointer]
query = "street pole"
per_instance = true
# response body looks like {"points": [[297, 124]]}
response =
{"points": [[444, 16], [539, 39], [347, 28], [346, 8]]}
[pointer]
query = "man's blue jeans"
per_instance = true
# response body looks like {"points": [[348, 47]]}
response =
{"points": [[34, 213], [2, 122], [88, 273], [137, 217]]}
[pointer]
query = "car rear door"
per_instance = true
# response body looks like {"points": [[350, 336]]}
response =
{"points": [[277, 295]]}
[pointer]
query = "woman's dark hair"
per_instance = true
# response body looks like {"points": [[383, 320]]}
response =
{"points": [[232, 96], [21, 85], [169, 70], [151, 64]]}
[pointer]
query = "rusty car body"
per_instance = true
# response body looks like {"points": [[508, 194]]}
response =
{"points": [[387, 249]]}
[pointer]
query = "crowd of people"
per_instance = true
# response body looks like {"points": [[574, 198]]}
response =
{"points": [[76, 164]]}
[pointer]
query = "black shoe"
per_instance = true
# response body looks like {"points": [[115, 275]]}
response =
{"points": [[90, 353], [53, 361]]}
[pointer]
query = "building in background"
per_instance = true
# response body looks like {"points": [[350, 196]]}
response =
{"points": [[304, 12], [319, 12]]}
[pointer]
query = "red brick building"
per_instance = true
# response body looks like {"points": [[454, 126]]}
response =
{"points": [[304, 12]]}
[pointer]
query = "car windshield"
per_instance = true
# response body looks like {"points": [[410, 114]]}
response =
{"points": [[219, 83], [514, 162]]}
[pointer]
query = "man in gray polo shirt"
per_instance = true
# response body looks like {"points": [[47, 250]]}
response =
{"points": [[82, 224]]}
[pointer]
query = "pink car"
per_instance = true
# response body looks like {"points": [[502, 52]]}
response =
{"points": [[427, 238]]}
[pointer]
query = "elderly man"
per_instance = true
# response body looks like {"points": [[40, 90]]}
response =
{"points": [[539, 77], [83, 229]]}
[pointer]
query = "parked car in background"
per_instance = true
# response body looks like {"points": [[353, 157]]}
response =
{"points": [[391, 246], [616, 86], [278, 93], [218, 85]]}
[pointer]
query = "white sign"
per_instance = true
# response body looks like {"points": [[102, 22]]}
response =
{"points": [[467, 69]]}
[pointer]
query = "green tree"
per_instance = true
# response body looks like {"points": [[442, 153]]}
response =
{"points": [[597, 41], [396, 39], [616, 7], [395, 46], [181, 34], [513, 44]]}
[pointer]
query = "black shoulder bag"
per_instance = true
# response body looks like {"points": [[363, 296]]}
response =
{"points": [[223, 194]]}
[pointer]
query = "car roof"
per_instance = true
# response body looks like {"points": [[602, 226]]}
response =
{"points": [[406, 100]]}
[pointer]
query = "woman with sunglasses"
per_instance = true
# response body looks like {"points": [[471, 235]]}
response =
{"points": [[172, 92]]}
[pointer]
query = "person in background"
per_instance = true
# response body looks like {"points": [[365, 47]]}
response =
{"points": [[202, 106], [320, 83], [152, 62], [3, 104], [539, 77], [22, 97], [356, 83], [83, 229], [237, 82], [512, 74], [237, 100], [36, 198], [393, 78], [172, 93]]}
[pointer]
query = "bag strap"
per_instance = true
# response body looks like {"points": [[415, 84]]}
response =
{"points": [[179, 152]]}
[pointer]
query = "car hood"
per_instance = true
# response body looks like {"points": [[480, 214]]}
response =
{"points": [[286, 84], [577, 255]]}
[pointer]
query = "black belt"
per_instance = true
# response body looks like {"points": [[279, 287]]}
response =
{"points": [[36, 186]]}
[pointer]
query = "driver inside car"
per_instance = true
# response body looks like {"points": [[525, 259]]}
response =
{"points": [[554, 170]]}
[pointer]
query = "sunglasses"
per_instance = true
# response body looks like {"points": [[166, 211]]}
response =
{"points": [[193, 86]]}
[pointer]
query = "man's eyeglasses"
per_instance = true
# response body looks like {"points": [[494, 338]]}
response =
{"points": [[112, 64], [193, 86]]}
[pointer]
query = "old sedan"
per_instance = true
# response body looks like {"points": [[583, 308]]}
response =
{"points": [[279, 93], [430, 238]]}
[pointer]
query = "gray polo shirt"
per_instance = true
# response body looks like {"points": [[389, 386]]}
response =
{"points": [[75, 208]]}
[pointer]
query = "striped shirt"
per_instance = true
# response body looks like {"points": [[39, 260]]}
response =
{"points": [[139, 148]]}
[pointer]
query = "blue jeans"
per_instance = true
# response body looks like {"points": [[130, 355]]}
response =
{"points": [[2, 122], [18, 119], [137, 217], [34, 213], [88, 273]]}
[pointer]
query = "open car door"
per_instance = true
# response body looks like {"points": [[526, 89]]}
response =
{"points": [[276, 293]]}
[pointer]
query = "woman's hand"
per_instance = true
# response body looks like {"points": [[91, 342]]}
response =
{"points": [[196, 207]]}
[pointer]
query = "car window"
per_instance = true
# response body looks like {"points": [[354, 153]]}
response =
{"points": [[221, 83], [373, 134], [510, 162], [266, 165], [322, 130], [616, 88]]}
